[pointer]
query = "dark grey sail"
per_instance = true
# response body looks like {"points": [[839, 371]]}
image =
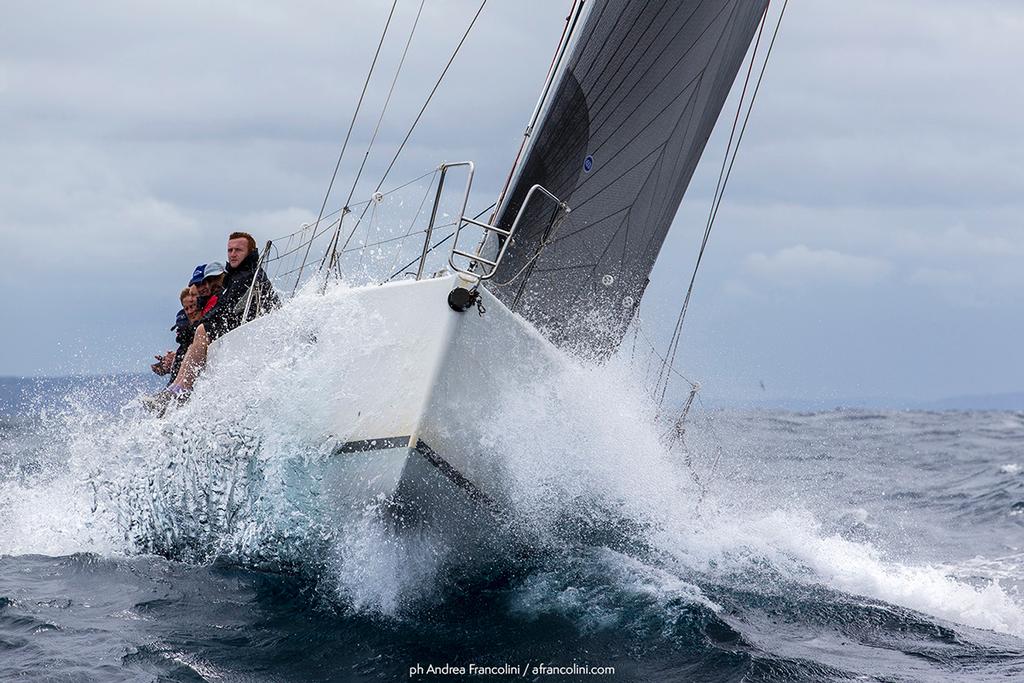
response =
{"points": [[622, 132]]}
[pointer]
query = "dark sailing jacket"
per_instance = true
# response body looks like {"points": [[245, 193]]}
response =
{"points": [[227, 313]]}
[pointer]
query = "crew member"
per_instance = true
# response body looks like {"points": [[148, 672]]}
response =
{"points": [[241, 274]]}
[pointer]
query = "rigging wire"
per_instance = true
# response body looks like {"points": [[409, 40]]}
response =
{"points": [[387, 101], [416, 121], [431, 95], [654, 350], [333, 244], [663, 379], [724, 174], [717, 444], [348, 134], [746, 119]]}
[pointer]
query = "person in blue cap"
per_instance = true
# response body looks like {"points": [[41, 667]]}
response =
{"points": [[199, 287]]}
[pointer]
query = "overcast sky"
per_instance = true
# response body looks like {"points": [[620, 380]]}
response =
{"points": [[870, 242]]}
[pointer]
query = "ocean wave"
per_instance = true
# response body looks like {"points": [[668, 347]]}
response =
{"points": [[621, 523]]}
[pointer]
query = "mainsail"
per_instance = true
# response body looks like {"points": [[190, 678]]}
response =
{"points": [[620, 136]]}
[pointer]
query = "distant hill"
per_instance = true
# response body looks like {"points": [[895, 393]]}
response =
{"points": [[1010, 401], [1013, 401]]}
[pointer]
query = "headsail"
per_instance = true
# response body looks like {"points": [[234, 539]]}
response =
{"points": [[622, 132]]}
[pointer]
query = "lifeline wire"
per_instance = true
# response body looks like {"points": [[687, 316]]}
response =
{"points": [[332, 247], [412, 223], [435, 245]]}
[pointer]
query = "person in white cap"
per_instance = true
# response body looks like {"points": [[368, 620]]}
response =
{"points": [[213, 280]]}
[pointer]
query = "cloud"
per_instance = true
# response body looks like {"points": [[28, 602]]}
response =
{"points": [[801, 265], [959, 288], [939, 277], [880, 171], [960, 241], [74, 209]]}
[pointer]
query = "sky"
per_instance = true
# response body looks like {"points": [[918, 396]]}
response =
{"points": [[870, 242]]}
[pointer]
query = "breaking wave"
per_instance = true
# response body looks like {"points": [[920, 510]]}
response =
{"points": [[607, 525]]}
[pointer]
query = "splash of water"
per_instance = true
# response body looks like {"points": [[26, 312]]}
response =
{"points": [[233, 474]]}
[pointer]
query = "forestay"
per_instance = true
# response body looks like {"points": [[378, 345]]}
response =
{"points": [[620, 136]]}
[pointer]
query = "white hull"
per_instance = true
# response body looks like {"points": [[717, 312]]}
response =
{"points": [[418, 404]]}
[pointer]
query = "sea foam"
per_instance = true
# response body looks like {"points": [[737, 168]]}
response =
{"points": [[589, 472]]}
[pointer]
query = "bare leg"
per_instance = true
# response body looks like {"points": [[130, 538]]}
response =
{"points": [[194, 360]]}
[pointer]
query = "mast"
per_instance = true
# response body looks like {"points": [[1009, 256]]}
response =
{"points": [[621, 127]]}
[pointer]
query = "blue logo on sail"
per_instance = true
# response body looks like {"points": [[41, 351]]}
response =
{"points": [[588, 164]]}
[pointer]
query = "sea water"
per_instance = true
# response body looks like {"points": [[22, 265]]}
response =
{"points": [[849, 544]]}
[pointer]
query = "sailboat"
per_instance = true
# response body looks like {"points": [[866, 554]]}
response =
{"points": [[631, 98]]}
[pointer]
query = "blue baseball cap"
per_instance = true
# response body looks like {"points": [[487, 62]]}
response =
{"points": [[198, 274], [181, 320]]}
